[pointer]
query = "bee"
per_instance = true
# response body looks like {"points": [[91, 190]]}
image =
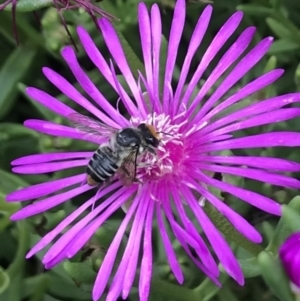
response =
{"points": [[120, 153]]}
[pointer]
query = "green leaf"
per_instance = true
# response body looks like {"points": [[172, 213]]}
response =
{"points": [[13, 130], [81, 272], [291, 218], [271, 64], [4, 280], [297, 75], [62, 289], [274, 276], [10, 182], [277, 27], [15, 67], [6, 209], [283, 230], [283, 45], [250, 267], [30, 5], [254, 9], [207, 289]]}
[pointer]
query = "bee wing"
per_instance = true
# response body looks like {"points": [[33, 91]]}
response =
{"points": [[127, 170], [91, 126]]}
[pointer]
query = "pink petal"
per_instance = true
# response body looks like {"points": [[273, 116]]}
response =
{"points": [[49, 237], [49, 167], [48, 203], [173, 262], [146, 265], [109, 259], [49, 102], [174, 40], [39, 190], [217, 241]]}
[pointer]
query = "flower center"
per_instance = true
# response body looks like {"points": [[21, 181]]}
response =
{"points": [[169, 154]]}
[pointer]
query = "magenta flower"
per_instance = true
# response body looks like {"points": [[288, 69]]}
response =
{"points": [[187, 156], [289, 254]]}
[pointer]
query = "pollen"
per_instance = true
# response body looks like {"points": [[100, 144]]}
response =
{"points": [[169, 154]]}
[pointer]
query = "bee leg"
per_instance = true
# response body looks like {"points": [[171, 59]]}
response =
{"points": [[96, 198], [84, 181], [137, 181]]}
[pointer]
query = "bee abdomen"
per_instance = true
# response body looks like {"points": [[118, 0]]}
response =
{"points": [[103, 165]]}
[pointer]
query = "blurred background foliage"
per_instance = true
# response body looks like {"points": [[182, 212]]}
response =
{"points": [[42, 36]]}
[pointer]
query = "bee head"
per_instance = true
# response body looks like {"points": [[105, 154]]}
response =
{"points": [[149, 134]]}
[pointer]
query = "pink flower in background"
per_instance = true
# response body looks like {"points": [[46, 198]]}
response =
{"points": [[289, 254], [193, 132]]}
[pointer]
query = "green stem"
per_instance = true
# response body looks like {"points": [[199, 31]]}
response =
{"points": [[229, 231], [175, 292], [18, 263], [207, 289], [16, 269]]}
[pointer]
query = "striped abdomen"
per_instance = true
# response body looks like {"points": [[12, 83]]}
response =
{"points": [[102, 166]]}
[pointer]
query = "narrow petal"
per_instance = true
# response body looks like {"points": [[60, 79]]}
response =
{"points": [[174, 40], [70, 235], [86, 234], [146, 40], [115, 49], [156, 33], [236, 220], [58, 259], [217, 241], [269, 163], [49, 167], [255, 199], [48, 203], [127, 269], [146, 264], [39, 190], [265, 106], [219, 40], [89, 87], [133, 259], [110, 257], [245, 64], [287, 139], [58, 130], [50, 236], [173, 262], [230, 56], [65, 87], [122, 94], [186, 238], [43, 158], [99, 61], [258, 120], [252, 87], [195, 41], [49, 102], [202, 250], [255, 174]]}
